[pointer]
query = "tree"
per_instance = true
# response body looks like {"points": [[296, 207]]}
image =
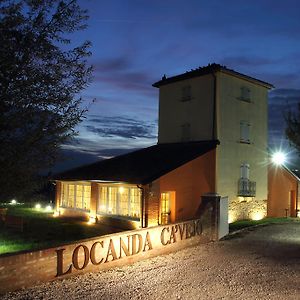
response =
{"points": [[292, 130], [41, 75]]}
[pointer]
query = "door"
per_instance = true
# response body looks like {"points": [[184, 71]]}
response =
{"points": [[165, 208]]}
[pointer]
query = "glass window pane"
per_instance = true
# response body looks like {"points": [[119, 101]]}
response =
{"points": [[86, 197], [79, 195], [102, 207], [112, 200], [135, 202], [123, 201], [71, 195]]}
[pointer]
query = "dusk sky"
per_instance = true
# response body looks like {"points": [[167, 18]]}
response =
{"points": [[136, 42]]}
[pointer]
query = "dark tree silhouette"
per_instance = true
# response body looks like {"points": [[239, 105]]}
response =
{"points": [[41, 74], [292, 130]]}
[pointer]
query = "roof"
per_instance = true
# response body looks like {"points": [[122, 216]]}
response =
{"points": [[142, 166], [292, 172], [209, 69]]}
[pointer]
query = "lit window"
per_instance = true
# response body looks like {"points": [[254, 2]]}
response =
{"points": [[76, 196], [165, 207], [79, 195], [244, 132], [121, 201], [112, 200], [71, 195]]}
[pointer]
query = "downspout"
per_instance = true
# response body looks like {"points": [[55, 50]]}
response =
{"points": [[214, 126], [214, 107], [142, 204]]}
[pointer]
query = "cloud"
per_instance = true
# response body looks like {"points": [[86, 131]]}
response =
{"points": [[120, 126], [115, 64], [247, 61]]}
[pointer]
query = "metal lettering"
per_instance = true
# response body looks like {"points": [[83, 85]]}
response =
{"points": [[75, 257], [93, 254], [111, 251], [60, 263], [136, 248], [124, 247], [147, 242], [162, 237]]}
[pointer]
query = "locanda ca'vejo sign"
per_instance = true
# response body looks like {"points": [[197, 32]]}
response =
{"points": [[107, 250]]}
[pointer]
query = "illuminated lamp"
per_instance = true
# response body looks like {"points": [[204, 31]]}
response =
{"points": [[92, 220], [258, 215], [13, 202], [121, 190], [56, 214], [38, 206], [48, 208], [279, 158]]}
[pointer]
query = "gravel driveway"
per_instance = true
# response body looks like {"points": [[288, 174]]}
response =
{"points": [[261, 263]]}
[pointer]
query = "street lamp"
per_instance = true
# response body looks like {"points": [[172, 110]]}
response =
{"points": [[279, 158]]}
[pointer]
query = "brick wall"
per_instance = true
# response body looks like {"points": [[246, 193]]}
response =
{"points": [[31, 268]]}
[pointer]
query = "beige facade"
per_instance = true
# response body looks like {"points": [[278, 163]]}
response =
{"points": [[225, 105]]}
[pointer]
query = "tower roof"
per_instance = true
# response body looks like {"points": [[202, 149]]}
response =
{"points": [[209, 69]]}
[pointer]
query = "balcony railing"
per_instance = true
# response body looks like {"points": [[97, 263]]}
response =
{"points": [[246, 188]]}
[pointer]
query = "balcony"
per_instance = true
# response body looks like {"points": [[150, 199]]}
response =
{"points": [[246, 188]]}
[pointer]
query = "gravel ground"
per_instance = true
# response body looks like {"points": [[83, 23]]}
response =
{"points": [[261, 263]]}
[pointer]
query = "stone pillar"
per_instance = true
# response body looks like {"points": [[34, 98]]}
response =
{"points": [[94, 197], [57, 195], [209, 212]]}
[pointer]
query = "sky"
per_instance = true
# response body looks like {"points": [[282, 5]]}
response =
{"points": [[136, 42]]}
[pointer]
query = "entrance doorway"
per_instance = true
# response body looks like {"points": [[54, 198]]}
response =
{"points": [[165, 210]]}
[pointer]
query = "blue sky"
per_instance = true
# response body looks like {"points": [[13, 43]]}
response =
{"points": [[135, 42]]}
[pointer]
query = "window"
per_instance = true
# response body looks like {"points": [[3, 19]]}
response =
{"points": [[245, 94], [186, 93], [244, 132], [185, 132], [245, 171], [246, 188], [76, 195], [112, 200], [122, 201], [165, 207]]}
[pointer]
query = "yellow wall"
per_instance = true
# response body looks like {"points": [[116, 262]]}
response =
{"points": [[231, 153], [230, 111], [173, 112]]}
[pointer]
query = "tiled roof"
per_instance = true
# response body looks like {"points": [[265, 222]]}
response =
{"points": [[142, 166], [211, 68]]}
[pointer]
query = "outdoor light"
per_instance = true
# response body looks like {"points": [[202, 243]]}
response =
{"points": [[38, 206], [92, 220], [48, 208], [258, 215], [56, 214], [279, 158], [13, 202], [121, 190]]}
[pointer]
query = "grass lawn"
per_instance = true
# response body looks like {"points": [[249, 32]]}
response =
{"points": [[249, 223], [42, 230]]}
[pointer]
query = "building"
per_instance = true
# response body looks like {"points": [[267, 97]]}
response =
{"points": [[156, 185], [216, 103], [212, 139], [283, 187]]}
